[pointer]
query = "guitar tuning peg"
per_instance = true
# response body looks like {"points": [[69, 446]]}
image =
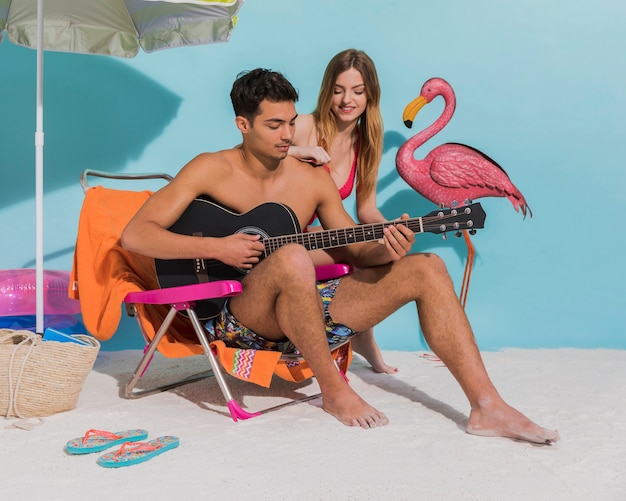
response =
{"points": [[472, 231], [458, 234], [444, 236]]}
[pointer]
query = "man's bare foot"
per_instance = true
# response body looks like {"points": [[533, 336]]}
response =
{"points": [[505, 421], [365, 345], [352, 410]]}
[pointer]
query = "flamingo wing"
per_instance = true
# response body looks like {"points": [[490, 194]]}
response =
{"points": [[461, 167]]}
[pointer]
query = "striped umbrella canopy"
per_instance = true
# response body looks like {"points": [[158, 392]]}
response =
{"points": [[109, 27]]}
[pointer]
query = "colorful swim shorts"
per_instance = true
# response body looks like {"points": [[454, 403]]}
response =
{"points": [[227, 328]]}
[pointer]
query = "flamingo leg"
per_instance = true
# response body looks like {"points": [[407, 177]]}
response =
{"points": [[469, 264]]}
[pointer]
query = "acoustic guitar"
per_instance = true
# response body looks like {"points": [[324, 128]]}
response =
{"points": [[278, 225]]}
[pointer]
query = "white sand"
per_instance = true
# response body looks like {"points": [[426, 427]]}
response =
{"points": [[300, 452]]}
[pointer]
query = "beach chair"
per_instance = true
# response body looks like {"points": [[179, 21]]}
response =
{"points": [[171, 318]]}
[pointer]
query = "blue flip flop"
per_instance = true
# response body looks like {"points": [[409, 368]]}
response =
{"points": [[132, 453], [99, 440]]}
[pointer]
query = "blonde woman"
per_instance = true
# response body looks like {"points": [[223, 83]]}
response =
{"points": [[345, 135]]}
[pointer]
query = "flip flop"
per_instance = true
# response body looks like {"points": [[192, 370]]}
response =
{"points": [[99, 440], [132, 453]]}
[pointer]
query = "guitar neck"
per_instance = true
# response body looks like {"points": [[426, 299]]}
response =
{"points": [[330, 239]]}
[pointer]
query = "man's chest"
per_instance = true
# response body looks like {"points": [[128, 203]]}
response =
{"points": [[242, 201]]}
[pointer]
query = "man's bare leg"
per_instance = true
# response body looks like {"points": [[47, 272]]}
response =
{"points": [[368, 296], [280, 299]]}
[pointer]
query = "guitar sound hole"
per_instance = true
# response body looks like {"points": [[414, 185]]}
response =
{"points": [[253, 230]]}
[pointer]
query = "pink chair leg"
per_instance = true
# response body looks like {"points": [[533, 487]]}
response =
{"points": [[149, 361], [237, 412]]}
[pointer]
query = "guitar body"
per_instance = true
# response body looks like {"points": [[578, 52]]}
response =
{"points": [[206, 219]]}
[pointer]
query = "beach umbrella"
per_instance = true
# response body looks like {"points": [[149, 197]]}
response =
{"points": [[108, 27]]}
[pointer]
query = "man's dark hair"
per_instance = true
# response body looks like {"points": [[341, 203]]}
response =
{"points": [[252, 87]]}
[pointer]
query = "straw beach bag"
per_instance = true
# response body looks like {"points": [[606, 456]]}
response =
{"points": [[39, 378]]}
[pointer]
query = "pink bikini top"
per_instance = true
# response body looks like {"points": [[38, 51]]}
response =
{"points": [[346, 189]]}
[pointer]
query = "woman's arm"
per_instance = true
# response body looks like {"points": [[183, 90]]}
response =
{"points": [[315, 155], [304, 145], [366, 210]]}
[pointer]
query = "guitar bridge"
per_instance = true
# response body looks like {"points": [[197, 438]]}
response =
{"points": [[200, 269]]}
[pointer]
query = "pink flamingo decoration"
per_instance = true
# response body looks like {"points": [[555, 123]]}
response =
{"points": [[452, 174]]}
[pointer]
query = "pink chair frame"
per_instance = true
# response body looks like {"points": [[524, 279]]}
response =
{"points": [[183, 298]]}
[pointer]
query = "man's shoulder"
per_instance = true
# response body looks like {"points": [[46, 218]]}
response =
{"points": [[307, 171], [316, 182], [222, 160], [216, 156], [204, 173]]}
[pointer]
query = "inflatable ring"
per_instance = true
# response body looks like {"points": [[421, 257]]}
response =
{"points": [[18, 293]]}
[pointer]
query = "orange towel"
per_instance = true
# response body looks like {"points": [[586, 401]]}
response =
{"points": [[103, 273], [257, 366]]}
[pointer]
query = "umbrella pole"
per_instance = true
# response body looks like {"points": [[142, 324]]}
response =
{"points": [[39, 297]]}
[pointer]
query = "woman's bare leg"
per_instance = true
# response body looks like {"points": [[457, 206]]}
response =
{"points": [[365, 345]]}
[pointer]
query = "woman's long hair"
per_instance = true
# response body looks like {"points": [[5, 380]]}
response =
{"points": [[370, 125]]}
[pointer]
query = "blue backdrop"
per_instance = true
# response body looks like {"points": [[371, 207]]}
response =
{"points": [[539, 85]]}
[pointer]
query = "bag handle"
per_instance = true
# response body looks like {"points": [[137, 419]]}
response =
{"points": [[28, 337]]}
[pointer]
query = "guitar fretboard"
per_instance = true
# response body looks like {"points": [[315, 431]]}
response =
{"points": [[329, 239]]}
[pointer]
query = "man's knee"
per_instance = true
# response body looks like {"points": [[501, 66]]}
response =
{"points": [[293, 261], [427, 265]]}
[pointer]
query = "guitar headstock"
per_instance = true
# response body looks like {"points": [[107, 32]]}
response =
{"points": [[468, 217]]}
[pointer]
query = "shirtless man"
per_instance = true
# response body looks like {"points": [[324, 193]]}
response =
{"points": [[280, 300]]}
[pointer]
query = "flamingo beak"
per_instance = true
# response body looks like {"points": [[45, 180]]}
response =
{"points": [[412, 110]]}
